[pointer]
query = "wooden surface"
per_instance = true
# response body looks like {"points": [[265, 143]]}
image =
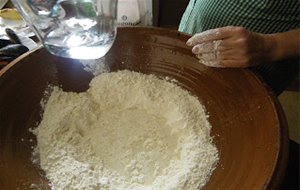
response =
{"points": [[249, 127]]}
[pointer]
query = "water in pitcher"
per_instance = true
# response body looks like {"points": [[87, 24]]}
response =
{"points": [[82, 29], [72, 41]]}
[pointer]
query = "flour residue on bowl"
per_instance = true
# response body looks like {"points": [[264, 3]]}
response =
{"points": [[127, 131]]}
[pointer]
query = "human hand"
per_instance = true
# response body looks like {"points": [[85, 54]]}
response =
{"points": [[230, 47]]}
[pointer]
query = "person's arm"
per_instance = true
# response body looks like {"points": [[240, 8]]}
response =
{"points": [[237, 47], [284, 45]]}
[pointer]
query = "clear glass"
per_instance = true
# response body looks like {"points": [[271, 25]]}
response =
{"points": [[80, 29]]}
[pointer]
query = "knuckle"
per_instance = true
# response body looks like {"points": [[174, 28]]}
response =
{"points": [[243, 43], [241, 30]]}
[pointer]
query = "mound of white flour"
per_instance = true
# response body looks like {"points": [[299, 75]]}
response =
{"points": [[128, 131]]}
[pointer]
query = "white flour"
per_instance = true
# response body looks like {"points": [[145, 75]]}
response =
{"points": [[128, 131]]}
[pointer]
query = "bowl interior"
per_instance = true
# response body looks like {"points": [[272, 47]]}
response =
{"points": [[248, 124]]}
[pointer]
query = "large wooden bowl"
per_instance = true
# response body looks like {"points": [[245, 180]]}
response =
{"points": [[249, 127]]}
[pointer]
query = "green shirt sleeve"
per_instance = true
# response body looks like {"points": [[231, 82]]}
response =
{"points": [[263, 16]]}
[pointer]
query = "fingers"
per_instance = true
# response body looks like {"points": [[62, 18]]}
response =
{"points": [[212, 35], [208, 47], [211, 64], [224, 64], [209, 60], [224, 47], [206, 36], [226, 58]]}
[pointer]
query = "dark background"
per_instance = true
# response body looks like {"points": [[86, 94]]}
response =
{"points": [[167, 13]]}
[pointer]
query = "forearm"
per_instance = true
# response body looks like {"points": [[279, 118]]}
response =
{"points": [[283, 45]]}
